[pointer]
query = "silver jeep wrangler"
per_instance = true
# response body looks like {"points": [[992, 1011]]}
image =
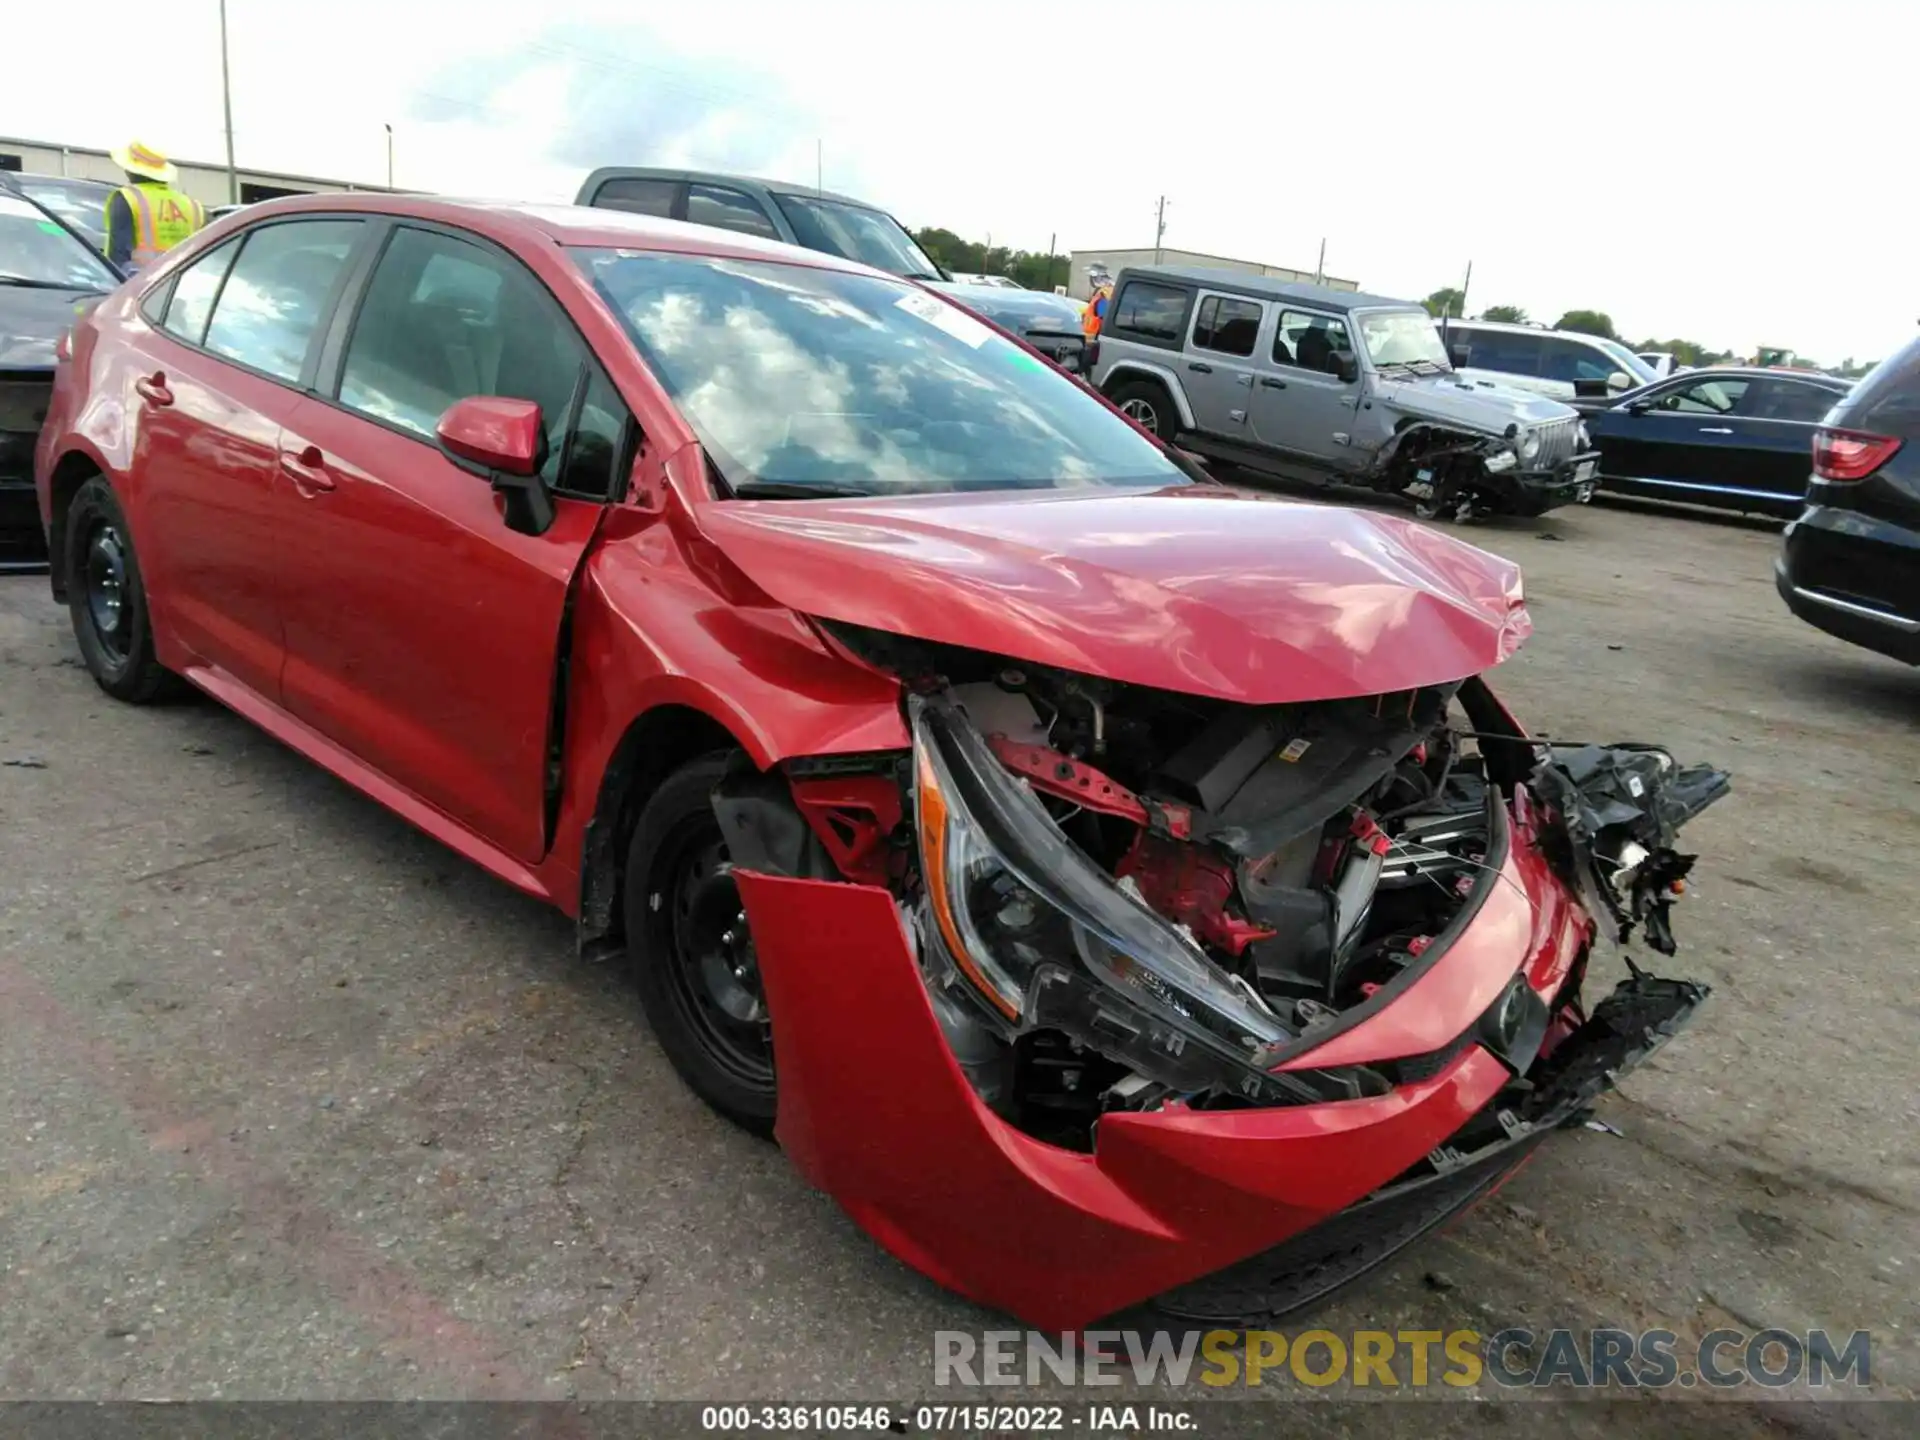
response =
{"points": [[1306, 383]]}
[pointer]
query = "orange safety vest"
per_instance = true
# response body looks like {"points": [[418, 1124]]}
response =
{"points": [[1090, 322], [162, 218]]}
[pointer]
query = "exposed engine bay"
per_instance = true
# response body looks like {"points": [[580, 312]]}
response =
{"points": [[1123, 898]]}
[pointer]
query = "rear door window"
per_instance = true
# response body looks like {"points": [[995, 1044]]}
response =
{"points": [[1150, 311], [194, 290], [277, 291], [1501, 350], [1787, 400], [729, 210], [638, 196], [1226, 325]]}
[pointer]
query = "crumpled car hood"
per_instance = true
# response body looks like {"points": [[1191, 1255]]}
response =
{"points": [[1195, 590], [1475, 404]]}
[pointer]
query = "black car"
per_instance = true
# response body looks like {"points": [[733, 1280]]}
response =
{"points": [[1851, 563], [1049, 323], [1738, 439], [46, 273], [80, 204]]}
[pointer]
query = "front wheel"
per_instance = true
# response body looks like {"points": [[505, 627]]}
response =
{"points": [[687, 935], [1147, 405], [107, 599]]}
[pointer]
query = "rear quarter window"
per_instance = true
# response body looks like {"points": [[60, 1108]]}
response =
{"points": [[1148, 311], [1888, 399]]}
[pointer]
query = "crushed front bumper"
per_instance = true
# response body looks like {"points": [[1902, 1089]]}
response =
{"points": [[1571, 482], [875, 1111]]}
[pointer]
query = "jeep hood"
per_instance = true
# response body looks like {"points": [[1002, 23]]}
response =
{"points": [[1472, 404], [1196, 590]]}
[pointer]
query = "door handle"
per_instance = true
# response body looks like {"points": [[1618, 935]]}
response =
{"points": [[307, 470], [1273, 382], [1195, 365], [1716, 430], [153, 388]]}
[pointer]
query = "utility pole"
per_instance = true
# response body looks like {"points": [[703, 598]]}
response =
{"points": [[1465, 285], [1159, 226], [819, 166], [226, 101], [1051, 241], [389, 157], [1320, 265]]}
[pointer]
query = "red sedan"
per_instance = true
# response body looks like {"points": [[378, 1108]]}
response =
{"points": [[1139, 889]]}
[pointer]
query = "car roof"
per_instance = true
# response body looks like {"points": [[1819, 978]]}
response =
{"points": [[558, 224], [1759, 372], [55, 179], [720, 177], [1265, 287]]}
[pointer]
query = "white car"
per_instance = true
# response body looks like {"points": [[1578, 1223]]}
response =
{"points": [[1562, 363], [1000, 282]]}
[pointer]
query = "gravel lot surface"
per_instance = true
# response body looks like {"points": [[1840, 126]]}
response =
{"points": [[297, 1104]]}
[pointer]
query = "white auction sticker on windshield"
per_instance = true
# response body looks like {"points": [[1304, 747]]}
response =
{"points": [[956, 322]]}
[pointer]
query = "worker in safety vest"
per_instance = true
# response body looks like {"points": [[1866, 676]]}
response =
{"points": [[147, 217], [1096, 310]]}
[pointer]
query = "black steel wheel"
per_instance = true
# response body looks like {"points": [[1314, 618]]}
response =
{"points": [[107, 600], [687, 934]]}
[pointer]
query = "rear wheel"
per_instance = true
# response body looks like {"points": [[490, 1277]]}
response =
{"points": [[107, 599], [1147, 404], [687, 934]]}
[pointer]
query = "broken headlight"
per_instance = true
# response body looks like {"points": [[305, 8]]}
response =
{"points": [[1042, 937]]}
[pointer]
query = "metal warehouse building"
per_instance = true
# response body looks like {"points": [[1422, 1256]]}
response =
{"points": [[1113, 261], [205, 183]]}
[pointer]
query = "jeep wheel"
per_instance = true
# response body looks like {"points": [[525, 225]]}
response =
{"points": [[1146, 404]]}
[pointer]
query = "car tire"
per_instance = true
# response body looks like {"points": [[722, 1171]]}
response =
{"points": [[692, 955], [1148, 405], [107, 600]]}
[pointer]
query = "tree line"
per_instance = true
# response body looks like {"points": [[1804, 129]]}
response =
{"points": [[1032, 269]]}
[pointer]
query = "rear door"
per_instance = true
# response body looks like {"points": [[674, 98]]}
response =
{"points": [[1218, 369], [422, 633], [234, 340], [1300, 404], [1779, 415]]}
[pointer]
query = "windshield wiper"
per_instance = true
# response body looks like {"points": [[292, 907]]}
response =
{"points": [[797, 490], [28, 283]]}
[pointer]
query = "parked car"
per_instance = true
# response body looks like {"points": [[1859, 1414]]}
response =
{"points": [[1001, 282], [1310, 383], [1108, 860], [46, 273], [1851, 561], [835, 225], [1049, 323], [1661, 362], [1562, 363], [1729, 437], [79, 204]]}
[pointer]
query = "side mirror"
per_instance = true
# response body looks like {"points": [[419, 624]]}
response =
{"points": [[1344, 364], [504, 442], [1619, 380], [1590, 389], [1639, 407]]}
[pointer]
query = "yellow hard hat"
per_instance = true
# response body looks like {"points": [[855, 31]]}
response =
{"points": [[138, 159]]}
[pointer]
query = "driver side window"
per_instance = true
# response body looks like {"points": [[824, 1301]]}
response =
{"points": [[1306, 341], [444, 319], [1702, 397]]}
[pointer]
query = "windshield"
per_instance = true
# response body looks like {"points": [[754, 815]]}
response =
{"points": [[81, 203], [856, 232], [1402, 337], [1639, 369], [35, 250], [806, 381]]}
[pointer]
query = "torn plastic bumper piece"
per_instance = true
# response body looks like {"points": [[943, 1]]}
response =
{"points": [[875, 1111]]}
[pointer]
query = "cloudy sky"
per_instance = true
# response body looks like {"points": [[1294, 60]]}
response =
{"points": [[1731, 173]]}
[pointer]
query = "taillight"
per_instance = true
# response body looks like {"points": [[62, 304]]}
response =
{"points": [[1850, 454]]}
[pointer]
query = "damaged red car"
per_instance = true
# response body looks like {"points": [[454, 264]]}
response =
{"points": [[1109, 888]]}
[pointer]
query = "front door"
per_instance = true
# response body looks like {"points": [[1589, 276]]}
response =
{"points": [[1219, 368], [1684, 437], [422, 633], [1300, 404]]}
